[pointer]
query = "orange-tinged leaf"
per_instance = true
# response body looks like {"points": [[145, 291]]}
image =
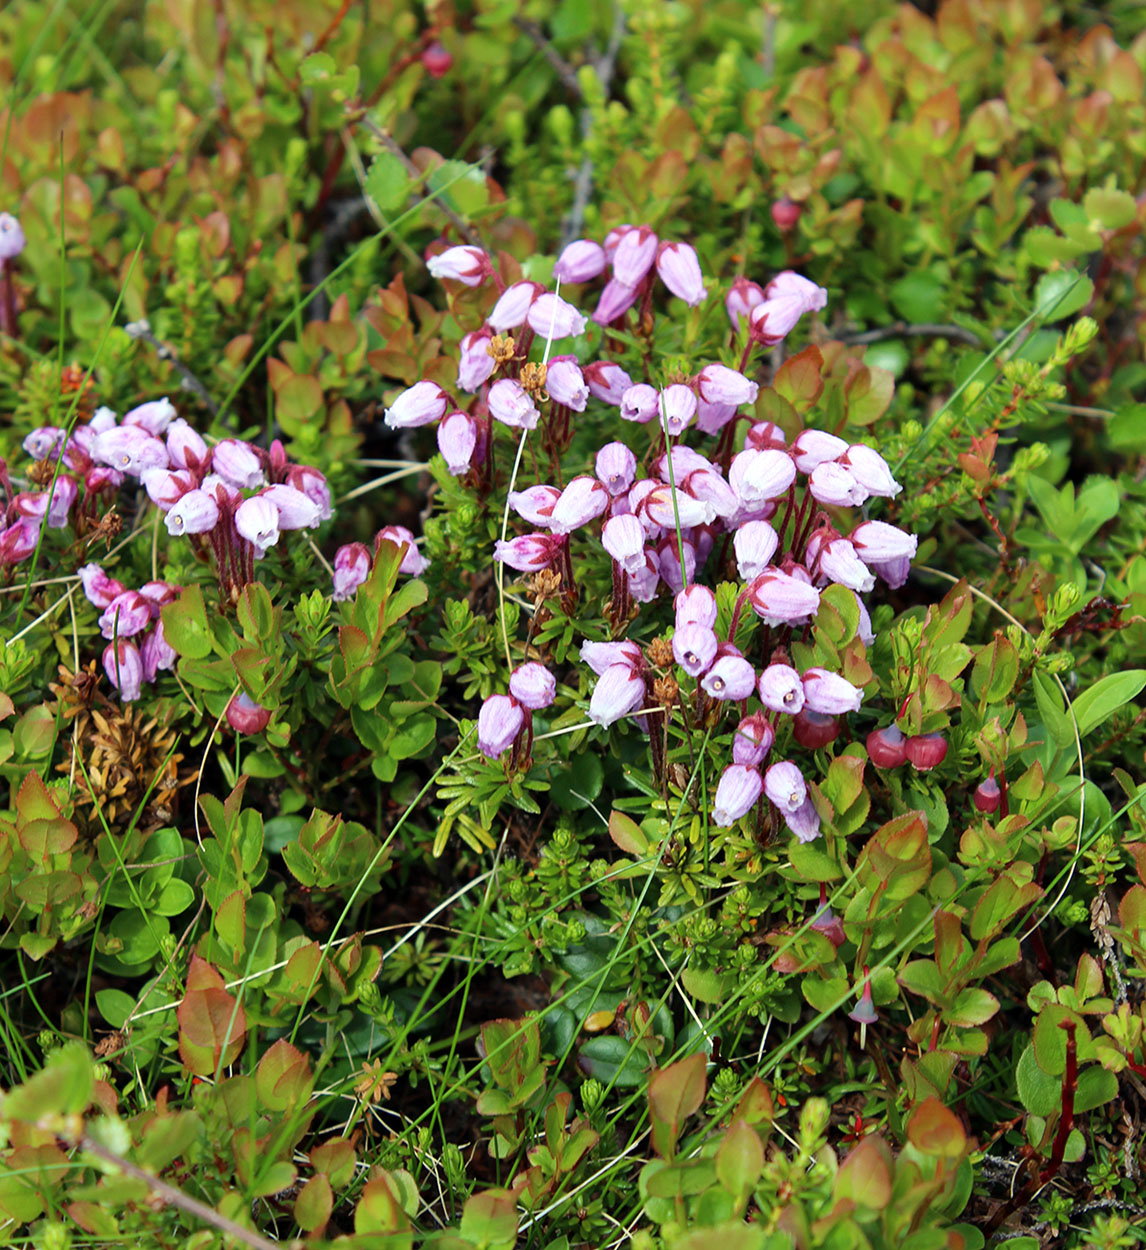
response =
{"points": [[936, 1130]]}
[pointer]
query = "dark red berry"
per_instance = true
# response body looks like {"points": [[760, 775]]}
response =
{"points": [[813, 729], [987, 796], [926, 750], [887, 748]]}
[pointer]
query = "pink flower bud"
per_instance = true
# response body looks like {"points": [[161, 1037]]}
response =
{"points": [[420, 404], [238, 464], [530, 552], [616, 300], [221, 491], [582, 501], [601, 656], [838, 562], [871, 470], [785, 214], [245, 716], [566, 384], [695, 606], [815, 447], [830, 693], [720, 385], [256, 520], [787, 298], [623, 537], [499, 722], [865, 1012], [781, 689], [437, 62], [457, 439], [475, 364], [833, 485], [124, 668], [926, 751], [19, 540], [44, 441], [712, 418], [736, 795], [613, 239], [679, 404], [185, 446], [158, 594], [988, 795], [879, 542], [351, 569], [731, 677], [99, 588], [63, 495], [827, 922], [156, 653], [129, 449], [765, 436], [154, 416], [710, 489], [781, 599], [535, 504], [640, 403], [468, 265], [413, 563], [804, 822], [755, 544], [12, 241], [127, 614], [512, 406], [619, 691], [195, 512], [664, 507], [554, 318], [313, 485], [743, 296], [634, 256], [893, 572], [296, 511], [679, 270], [814, 729], [607, 382], [752, 740], [512, 306], [694, 648], [794, 286], [758, 477], [887, 747], [533, 686], [669, 553], [616, 467], [580, 261], [784, 785]]}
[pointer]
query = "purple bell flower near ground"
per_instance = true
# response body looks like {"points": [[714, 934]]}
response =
{"points": [[468, 265], [513, 306], [196, 512], [19, 540], [420, 404], [457, 439], [829, 693], [665, 507], [755, 544], [351, 569], [694, 648], [679, 269], [533, 686], [804, 822], [669, 553], [237, 464], [616, 468], [185, 446], [129, 449], [645, 583], [510, 404], [551, 317], [475, 364], [296, 511], [614, 237], [499, 722], [154, 416], [785, 786], [786, 298], [63, 495], [157, 653], [865, 1012], [257, 520], [607, 382], [781, 689], [752, 740], [566, 384], [124, 668], [730, 678], [413, 563], [44, 441], [893, 572], [695, 606], [126, 615], [530, 552], [634, 256], [780, 599], [679, 403], [718, 384], [616, 299], [623, 537], [739, 788], [878, 542], [535, 504], [12, 240], [582, 501], [758, 477], [99, 588], [640, 403], [313, 485], [580, 261], [712, 418], [619, 691]]}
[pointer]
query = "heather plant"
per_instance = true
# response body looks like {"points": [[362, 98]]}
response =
{"points": [[602, 707]]}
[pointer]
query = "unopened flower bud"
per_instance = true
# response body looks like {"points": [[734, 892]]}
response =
{"points": [[124, 668], [619, 691], [238, 464], [313, 485], [743, 296], [871, 470], [566, 384], [607, 382], [634, 256], [245, 716], [755, 544], [781, 599], [718, 384], [679, 270], [739, 788], [437, 62], [752, 740], [99, 588], [554, 318], [623, 537], [530, 552], [695, 606], [580, 261], [19, 540], [257, 520], [616, 300], [457, 438], [785, 214], [351, 569], [475, 364], [468, 265], [582, 501], [126, 615], [887, 747], [533, 686], [616, 467], [154, 416], [830, 693], [510, 404], [926, 751], [413, 563]]}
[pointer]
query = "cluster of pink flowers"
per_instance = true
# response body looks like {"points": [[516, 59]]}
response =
{"points": [[353, 562], [507, 720], [137, 649], [766, 515]]}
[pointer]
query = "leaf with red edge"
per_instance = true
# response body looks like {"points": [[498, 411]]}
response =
{"points": [[675, 1093], [212, 1024]]}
